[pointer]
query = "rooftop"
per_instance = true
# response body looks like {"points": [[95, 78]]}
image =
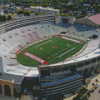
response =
{"points": [[11, 78], [95, 18], [47, 8]]}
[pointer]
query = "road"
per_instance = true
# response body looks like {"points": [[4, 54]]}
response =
{"points": [[95, 95]]}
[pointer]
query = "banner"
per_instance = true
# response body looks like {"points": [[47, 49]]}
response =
{"points": [[35, 57]]}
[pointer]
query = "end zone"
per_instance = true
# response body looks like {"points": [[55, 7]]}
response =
{"points": [[71, 39], [35, 57]]}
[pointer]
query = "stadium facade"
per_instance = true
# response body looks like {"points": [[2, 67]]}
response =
{"points": [[47, 81]]}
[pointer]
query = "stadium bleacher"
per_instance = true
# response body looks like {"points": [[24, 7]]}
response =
{"points": [[47, 29], [41, 31], [31, 33], [54, 29], [17, 39]]}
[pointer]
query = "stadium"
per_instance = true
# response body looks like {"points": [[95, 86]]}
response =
{"points": [[48, 56]]}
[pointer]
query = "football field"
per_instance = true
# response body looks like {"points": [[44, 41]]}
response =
{"points": [[49, 51]]}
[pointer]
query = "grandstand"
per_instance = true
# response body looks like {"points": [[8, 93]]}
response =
{"points": [[63, 77], [90, 21]]}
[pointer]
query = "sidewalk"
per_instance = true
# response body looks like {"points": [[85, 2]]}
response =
{"points": [[93, 81], [70, 98], [7, 98], [26, 97]]}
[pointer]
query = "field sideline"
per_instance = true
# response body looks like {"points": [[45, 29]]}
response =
{"points": [[51, 50]]}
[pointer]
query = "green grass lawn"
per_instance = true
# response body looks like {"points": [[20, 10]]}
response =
{"points": [[44, 49]]}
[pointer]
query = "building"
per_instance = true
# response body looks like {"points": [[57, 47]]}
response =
{"points": [[47, 11], [91, 20]]}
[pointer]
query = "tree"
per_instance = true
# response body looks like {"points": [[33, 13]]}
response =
{"points": [[97, 80], [20, 11], [26, 13], [56, 3], [17, 3], [80, 94], [9, 1], [39, 13], [82, 7], [92, 84], [90, 9], [9, 17], [3, 18], [76, 12], [65, 11], [31, 12], [31, 4]]}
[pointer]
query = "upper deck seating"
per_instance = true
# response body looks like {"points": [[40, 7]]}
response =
{"points": [[5, 48], [41, 31], [47, 29]]}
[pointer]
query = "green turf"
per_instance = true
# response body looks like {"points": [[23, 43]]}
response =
{"points": [[48, 53]]}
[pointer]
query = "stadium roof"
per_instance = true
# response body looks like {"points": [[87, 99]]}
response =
{"points": [[95, 18], [10, 77]]}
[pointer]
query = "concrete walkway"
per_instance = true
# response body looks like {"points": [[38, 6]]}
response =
{"points": [[26, 97]]}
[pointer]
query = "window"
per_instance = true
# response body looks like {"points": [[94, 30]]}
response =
{"points": [[98, 59], [65, 68], [73, 67], [81, 65], [45, 72], [87, 63], [35, 81], [55, 70], [93, 60]]}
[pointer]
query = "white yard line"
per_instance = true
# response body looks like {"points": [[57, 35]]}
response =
{"points": [[71, 39], [66, 52], [39, 45], [62, 54], [43, 43]]}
